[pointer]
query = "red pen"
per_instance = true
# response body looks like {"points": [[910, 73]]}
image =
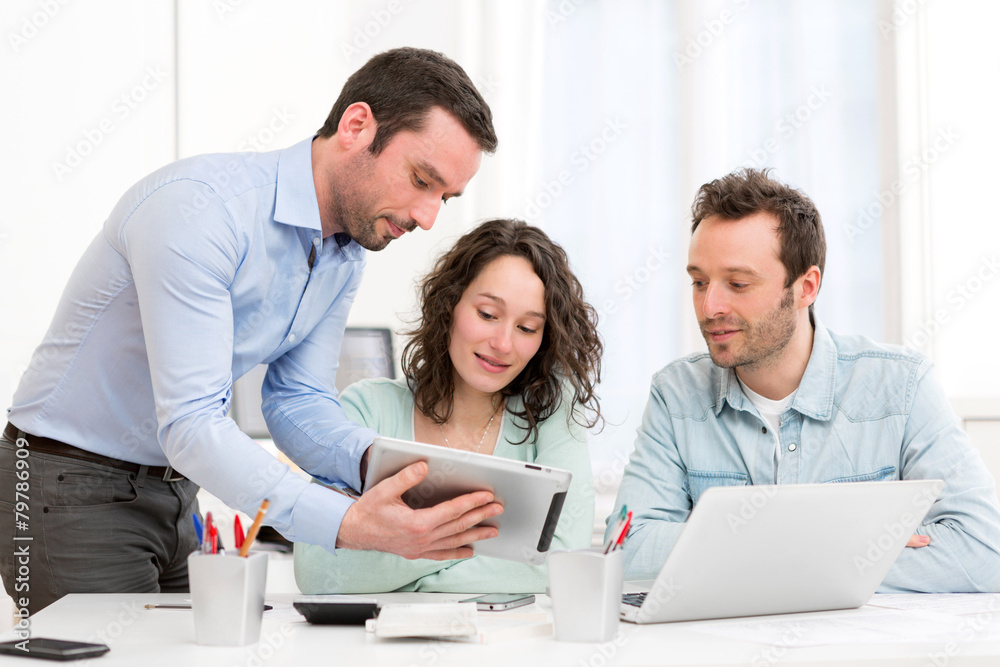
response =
{"points": [[206, 542], [621, 536], [238, 531], [214, 538]]}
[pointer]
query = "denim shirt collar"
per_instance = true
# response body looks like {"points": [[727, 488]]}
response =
{"points": [[814, 397], [295, 202]]}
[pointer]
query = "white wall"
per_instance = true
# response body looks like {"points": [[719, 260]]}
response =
{"points": [[949, 232]]}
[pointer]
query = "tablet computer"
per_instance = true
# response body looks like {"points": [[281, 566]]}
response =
{"points": [[532, 495]]}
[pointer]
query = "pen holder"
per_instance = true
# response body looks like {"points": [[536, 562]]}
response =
{"points": [[227, 597], [586, 590]]}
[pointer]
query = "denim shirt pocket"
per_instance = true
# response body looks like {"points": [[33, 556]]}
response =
{"points": [[880, 475], [699, 481]]}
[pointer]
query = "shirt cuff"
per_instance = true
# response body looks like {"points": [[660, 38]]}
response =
{"points": [[318, 514], [348, 456]]}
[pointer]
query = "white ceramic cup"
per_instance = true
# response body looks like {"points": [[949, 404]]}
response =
{"points": [[586, 590], [227, 597]]}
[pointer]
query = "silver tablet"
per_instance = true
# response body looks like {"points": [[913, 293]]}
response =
{"points": [[532, 495]]}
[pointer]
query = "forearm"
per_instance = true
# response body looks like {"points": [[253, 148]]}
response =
{"points": [[953, 562], [319, 571], [963, 523]]}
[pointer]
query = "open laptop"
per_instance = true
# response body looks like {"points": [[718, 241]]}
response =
{"points": [[753, 550]]}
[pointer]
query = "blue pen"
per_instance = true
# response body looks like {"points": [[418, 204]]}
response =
{"points": [[197, 528]]}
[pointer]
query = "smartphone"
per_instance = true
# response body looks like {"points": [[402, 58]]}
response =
{"points": [[52, 649], [501, 601]]}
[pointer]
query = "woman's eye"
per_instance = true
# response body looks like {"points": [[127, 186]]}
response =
{"points": [[486, 316], [529, 330]]}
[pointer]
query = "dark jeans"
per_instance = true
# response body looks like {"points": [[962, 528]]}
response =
{"points": [[78, 527]]}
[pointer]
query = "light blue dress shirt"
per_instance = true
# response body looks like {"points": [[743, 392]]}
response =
{"points": [[863, 412], [200, 273]]}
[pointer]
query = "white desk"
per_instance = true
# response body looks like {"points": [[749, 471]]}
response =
{"points": [[166, 637]]}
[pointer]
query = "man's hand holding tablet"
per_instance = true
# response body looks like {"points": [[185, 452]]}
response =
{"points": [[381, 521]]}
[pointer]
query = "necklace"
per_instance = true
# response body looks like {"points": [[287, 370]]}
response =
{"points": [[481, 440]]}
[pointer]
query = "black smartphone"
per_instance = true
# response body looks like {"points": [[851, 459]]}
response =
{"points": [[52, 649], [501, 601]]}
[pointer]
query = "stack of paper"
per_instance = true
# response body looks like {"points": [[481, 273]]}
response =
{"points": [[455, 621]]}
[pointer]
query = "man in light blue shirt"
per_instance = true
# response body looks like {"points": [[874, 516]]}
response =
{"points": [[780, 399], [204, 269]]}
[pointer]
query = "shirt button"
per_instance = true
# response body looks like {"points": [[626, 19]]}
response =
{"points": [[291, 339], [317, 241], [791, 447]]}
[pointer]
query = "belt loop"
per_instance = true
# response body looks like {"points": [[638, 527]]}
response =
{"points": [[141, 476]]}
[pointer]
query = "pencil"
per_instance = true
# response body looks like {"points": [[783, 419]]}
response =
{"points": [[254, 528]]}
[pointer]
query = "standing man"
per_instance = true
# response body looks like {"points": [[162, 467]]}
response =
{"points": [[780, 399], [204, 269]]}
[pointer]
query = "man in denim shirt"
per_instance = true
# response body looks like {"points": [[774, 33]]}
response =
{"points": [[780, 399]]}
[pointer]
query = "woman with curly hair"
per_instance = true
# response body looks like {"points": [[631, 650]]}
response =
{"points": [[504, 360]]}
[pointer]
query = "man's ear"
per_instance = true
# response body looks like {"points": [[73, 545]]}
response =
{"points": [[357, 126], [809, 284]]}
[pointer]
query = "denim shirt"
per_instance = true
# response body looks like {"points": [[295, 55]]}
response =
{"points": [[863, 412]]}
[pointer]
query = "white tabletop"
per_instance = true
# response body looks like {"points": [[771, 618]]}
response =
{"points": [[138, 635]]}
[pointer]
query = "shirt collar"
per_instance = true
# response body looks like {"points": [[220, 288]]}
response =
{"points": [[814, 396], [295, 202]]}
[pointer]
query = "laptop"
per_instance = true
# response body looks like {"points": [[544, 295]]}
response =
{"points": [[776, 549]]}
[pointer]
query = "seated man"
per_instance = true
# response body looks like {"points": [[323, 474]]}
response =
{"points": [[780, 399]]}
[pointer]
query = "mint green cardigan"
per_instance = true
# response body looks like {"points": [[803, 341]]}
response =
{"points": [[387, 407]]}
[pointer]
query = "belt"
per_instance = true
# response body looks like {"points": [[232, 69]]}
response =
{"points": [[50, 446]]}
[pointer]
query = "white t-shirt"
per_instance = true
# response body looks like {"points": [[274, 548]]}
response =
{"points": [[771, 412]]}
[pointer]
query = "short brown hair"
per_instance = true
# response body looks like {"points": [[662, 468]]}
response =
{"points": [[748, 191], [569, 357], [402, 85]]}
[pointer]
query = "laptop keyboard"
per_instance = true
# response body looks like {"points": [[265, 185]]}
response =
{"points": [[634, 599]]}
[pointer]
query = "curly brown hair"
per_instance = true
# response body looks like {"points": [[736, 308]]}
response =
{"points": [[569, 356]]}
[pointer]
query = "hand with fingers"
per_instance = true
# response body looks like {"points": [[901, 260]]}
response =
{"points": [[381, 521], [918, 541]]}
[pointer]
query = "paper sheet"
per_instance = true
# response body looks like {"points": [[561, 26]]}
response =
{"points": [[868, 625], [953, 604]]}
